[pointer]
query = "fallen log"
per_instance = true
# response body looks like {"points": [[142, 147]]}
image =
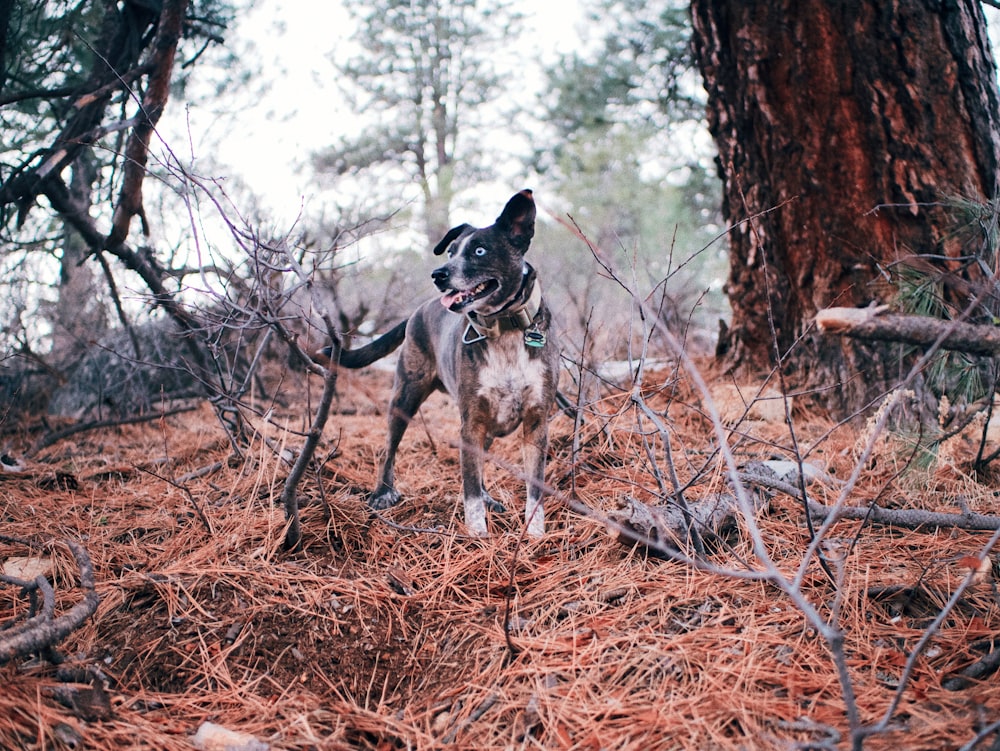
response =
{"points": [[922, 331]]}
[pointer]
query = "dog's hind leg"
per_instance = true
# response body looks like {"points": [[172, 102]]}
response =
{"points": [[492, 504], [406, 400], [489, 501]]}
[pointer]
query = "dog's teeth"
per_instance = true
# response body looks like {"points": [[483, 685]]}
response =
{"points": [[461, 297]]}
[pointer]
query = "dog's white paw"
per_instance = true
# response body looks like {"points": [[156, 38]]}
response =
{"points": [[475, 517], [384, 498], [477, 531], [534, 518]]}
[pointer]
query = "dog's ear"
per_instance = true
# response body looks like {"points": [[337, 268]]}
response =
{"points": [[454, 232], [518, 218]]}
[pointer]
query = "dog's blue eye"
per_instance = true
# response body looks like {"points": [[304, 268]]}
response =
{"points": [[480, 251]]}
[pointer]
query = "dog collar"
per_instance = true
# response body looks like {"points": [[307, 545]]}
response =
{"points": [[519, 318]]}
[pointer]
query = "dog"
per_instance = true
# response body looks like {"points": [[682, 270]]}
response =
{"points": [[488, 341]]}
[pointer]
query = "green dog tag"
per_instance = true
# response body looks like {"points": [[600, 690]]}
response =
{"points": [[534, 338]]}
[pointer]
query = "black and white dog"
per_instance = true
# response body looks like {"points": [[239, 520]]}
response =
{"points": [[488, 342]]}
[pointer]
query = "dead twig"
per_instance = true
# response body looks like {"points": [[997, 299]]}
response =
{"points": [[201, 514]]}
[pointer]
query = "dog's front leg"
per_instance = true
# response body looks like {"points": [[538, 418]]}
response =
{"points": [[471, 457], [536, 439]]}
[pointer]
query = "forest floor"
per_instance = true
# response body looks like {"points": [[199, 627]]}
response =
{"points": [[411, 635]]}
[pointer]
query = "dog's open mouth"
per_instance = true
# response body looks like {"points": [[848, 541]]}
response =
{"points": [[457, 300]]}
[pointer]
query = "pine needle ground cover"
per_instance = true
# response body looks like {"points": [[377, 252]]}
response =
{"points": [[400, 632]]}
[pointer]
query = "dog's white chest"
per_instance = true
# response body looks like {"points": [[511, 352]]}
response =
{"points": [[510, 381]]}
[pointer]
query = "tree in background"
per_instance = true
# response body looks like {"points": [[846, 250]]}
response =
{"points": [[83, 86], [844, 130], [419, 89], [625, 161]]}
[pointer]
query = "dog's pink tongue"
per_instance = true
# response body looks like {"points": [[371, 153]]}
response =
{"points": [[450, 299]]}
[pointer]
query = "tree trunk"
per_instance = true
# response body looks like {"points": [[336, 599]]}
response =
{"points": [[842, 127], [79, 317], [6, 7]]}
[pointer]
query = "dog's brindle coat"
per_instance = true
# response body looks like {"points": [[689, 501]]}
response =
{"points": [[488, 343]]}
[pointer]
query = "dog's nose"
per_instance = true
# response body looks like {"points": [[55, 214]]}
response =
{"points": [[440, 275]]}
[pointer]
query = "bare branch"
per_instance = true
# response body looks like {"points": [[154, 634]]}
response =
{"points": [[59, 435]]}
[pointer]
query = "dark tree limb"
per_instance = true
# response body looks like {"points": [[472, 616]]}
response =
{"points": [[54, 437], [921, 331], [164, 49], [289, 495], [6, 6], [116, 55]]}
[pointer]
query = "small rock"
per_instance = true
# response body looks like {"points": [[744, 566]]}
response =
{"points": [[27, 568], [212, 737]]}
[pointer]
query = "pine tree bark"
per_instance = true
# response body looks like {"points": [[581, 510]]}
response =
{"points": [[842, 125]]}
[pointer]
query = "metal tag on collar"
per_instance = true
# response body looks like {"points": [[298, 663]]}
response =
{"points": [[534, 338], [477, 335]]}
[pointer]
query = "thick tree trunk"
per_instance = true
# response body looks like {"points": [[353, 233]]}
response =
{"points": [[841, 127]]}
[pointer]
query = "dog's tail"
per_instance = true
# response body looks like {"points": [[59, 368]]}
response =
{"points": [[363, 356]]}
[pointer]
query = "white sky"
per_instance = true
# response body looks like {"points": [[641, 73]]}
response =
{"points": [[269, 141], [266, 133]]}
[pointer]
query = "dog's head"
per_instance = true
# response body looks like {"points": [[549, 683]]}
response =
{"points": [[485, 267]]}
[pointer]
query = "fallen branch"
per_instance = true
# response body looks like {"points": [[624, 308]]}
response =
{"points": [[903, 517], [54, 437], [921, 331], [664, 528], [977, 671], [43, 631], [909, 518]]}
